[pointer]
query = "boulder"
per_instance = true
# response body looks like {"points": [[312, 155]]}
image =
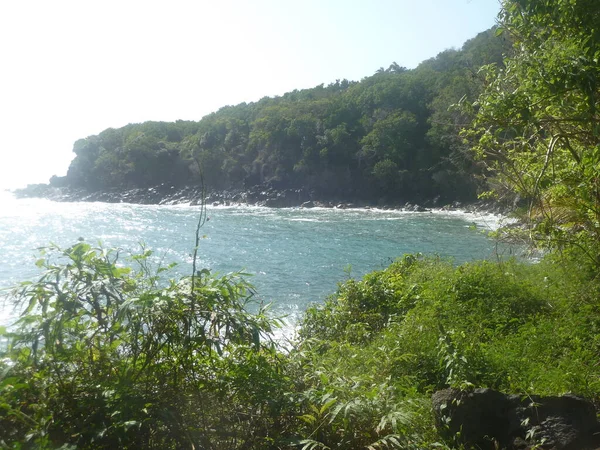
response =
{"points": [[488, 419]]}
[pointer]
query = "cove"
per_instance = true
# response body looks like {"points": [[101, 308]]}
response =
{"points": [[295, 256]]}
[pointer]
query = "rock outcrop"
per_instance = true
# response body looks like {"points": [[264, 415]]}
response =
{"points": [[259, 195], [487, 419]]}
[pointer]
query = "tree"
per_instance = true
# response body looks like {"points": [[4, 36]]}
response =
{"points": [[327, 139], [537, 126], [386, 174]]}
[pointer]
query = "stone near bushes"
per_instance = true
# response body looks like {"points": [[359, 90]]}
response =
{"points": [[487, 419]]}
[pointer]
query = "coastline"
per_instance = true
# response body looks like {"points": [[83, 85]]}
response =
{"points": [[259, 195]]}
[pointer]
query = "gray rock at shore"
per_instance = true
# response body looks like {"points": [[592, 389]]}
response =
{"points": [[488, 419], [260, 195]]}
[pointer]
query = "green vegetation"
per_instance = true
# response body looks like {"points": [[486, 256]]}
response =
{"points": [[388, 136], [381, 346], [117, 356], [105, 356], [537, 122]]}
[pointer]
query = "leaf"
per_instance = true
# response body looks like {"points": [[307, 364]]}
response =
{"points": [[335, 412], [308, 418], [256, 337], [310, 444], [131, 423], [323, 377], [327, 405]]}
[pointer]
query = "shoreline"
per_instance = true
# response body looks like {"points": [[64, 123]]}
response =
{"points": [[263, 196]]}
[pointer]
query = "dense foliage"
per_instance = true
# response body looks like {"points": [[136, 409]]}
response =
{"points": [[389, 135], [538, 125], [105, 356], [376, 350], [111, 355]]}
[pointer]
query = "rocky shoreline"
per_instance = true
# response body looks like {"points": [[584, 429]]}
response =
{"points": [[256, 196]]}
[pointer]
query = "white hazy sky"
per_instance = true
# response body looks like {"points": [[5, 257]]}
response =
{"points": [[70, 69]]}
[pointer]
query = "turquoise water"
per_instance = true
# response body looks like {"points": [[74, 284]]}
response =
{"points": [[296, 256]]}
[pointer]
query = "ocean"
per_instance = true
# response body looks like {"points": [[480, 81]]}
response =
{"points": [[295, 256]]}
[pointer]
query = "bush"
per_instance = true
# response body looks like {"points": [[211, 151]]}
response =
{"points": [[104, 356], [379, 347]]}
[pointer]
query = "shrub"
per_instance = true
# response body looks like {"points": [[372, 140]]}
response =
{"points": [[380, 346], [105, 356]]}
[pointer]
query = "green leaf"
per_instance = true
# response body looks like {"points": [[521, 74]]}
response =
{"points": [[308, 418], [327, 405]]}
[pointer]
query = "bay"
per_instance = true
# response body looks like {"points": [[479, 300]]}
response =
{"points": [[296, 256]]}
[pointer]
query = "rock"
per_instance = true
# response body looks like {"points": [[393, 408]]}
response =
{"points": [[565, 422], [269, 194], [287, 198], [479, 416], [488, 419]]}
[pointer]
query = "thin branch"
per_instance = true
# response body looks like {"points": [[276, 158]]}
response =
{"points": [[201, 222], [549, 153]]}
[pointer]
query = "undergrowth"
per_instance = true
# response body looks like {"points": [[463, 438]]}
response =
{"points": [[109, 355]]}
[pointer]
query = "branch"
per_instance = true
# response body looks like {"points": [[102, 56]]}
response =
{"points": [[549, 152], [201, 222]]}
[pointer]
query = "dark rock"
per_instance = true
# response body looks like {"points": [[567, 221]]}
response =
{"points": [[480, 417], [285, 199], [269, 194], [488, 419], [565, 422]]}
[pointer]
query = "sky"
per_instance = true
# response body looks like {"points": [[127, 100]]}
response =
{"points": [[70, 69]]}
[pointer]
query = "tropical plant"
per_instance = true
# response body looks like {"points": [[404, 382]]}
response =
{"points": [[106, 355], [537, 124]]}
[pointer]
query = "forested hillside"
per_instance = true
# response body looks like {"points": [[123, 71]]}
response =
{"points": [[390, 136]]}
